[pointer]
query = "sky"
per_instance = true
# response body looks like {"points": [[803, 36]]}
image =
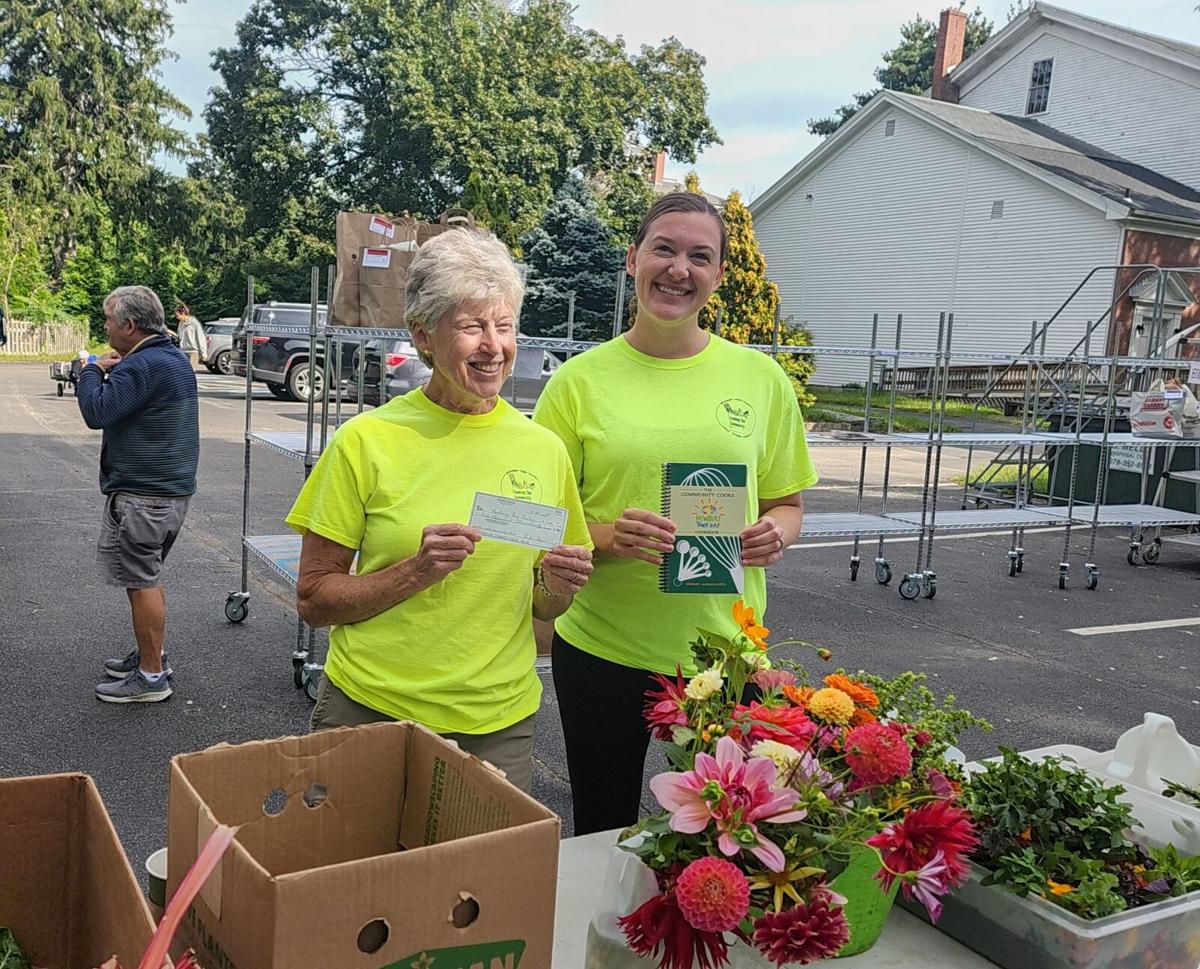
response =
{"points": [[772, 64]]}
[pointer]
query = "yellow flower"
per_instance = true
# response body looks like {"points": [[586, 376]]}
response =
{"points": [[781, 882], [703, 685], [785, 758], [743, 615], [832, 705], [1057, 888]]}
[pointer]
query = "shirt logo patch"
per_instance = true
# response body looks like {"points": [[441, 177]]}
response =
{"points": [[736, 416], [521, 485]]}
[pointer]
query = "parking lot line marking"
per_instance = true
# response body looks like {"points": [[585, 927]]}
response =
{"points": [[1133, 627], [941, 537]]}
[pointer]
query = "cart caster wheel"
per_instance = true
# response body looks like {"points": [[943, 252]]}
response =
{"points": [[931, 587], [1132, 555], [910, 587], [883, 573], [1012, 567], [1150, 553], [311, 688], [1020, 563], [237, 608], [1092, 580], [854, 570], [1063, 572], [298, 673], [60, 390]]}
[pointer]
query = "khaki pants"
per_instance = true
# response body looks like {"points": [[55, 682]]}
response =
{"points": [[510, 749]]}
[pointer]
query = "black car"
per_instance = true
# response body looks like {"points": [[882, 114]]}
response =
{"points": [[281, 361]]}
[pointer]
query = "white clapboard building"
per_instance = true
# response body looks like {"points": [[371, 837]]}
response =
{"points": [[1062, 145]]}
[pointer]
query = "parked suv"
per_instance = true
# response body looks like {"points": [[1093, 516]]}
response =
{"points": [[281, 362], [218, 350]]}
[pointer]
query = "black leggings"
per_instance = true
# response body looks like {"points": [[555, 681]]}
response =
{"points": [[600, 704]]}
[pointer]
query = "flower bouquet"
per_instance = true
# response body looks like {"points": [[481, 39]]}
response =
{"points": [[781, 789]]}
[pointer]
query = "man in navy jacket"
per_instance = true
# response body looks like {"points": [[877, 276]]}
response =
{"points": [[143, 397]]}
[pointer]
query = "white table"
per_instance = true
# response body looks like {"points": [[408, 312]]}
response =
{"points": [[907, 942]]}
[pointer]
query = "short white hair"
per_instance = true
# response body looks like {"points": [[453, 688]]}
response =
{"points": [[462, 265]]}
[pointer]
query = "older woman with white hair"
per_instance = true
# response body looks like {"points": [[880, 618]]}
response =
{"points": [[435, 623]]}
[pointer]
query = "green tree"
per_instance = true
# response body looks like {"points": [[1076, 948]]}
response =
{"points": [[747, 301], [571, 251], [907, 67], [438, 100], [81, 109]]}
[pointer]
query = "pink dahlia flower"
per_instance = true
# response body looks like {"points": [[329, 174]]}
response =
{"points": [[877, 755], [806, 932], [713, 894], [733, 792]]}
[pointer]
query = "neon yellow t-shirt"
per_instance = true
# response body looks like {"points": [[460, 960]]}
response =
{"points": [[457, 657], [622, 414]]}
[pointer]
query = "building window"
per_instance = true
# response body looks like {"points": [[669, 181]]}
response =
{"points": [[889, 129], [1039, 87], [998, 209]]}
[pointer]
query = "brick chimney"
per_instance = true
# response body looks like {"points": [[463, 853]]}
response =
{"points": [[952, 36], [660, 167]]}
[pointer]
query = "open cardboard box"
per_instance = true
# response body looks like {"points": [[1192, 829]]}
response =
{"points": [[66, 889], [375, 846]]}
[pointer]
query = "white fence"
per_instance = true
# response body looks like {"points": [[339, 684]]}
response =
{"points": [[56, 339]]}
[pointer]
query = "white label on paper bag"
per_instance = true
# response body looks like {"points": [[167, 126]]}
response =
{"points": [[382, 226], [376, 258], [518, 522], [1194, 373]]}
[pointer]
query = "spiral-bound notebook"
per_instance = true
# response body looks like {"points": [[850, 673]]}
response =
{"points": [[707, 503]]}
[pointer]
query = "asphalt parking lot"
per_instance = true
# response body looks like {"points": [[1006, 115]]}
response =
{"points": [[1003, 645]]}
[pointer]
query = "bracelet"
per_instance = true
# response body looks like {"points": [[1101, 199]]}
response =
{"points": [[541, 584]]}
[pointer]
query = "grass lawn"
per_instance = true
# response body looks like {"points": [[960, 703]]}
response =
{"points": [[97, 348], [852, 401]]}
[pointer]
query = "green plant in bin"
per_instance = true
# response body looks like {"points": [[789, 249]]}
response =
{"points": [[1050, 829]]}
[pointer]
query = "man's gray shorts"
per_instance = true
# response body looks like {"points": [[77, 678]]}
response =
{"points": [[136, 533]]}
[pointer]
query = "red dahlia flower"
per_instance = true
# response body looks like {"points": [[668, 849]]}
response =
{"points": [[787, 725], [935, 828], [805, 933], [664, 707], [713, 894], [877, 754], [658, 926]]}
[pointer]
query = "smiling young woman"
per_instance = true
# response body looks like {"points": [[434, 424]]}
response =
{"points": [[659, 393]]}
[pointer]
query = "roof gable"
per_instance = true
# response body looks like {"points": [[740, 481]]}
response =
{"points": [[1020, 28], [1115, 186]]}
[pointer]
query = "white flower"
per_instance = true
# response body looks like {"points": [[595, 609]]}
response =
{"points": [[786, 758], [703, 685]]}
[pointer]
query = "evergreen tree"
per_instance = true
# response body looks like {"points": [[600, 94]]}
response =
{"points": [[81, 109], [747, 300], [907, 67], [571, 251]]}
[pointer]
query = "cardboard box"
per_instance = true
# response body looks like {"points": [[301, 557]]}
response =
{"points": [[66, 889], [375, 846]]}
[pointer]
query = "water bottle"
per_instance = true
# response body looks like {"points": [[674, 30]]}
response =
{"points": [[91, 358]]}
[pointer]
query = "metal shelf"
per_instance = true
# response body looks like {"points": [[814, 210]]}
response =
{"points": [[1192, 476], [290, 444], [1125, 439], [826, 439], [973, 439], [982, 518], [1189, 541], [281, 553], [824, 525], [1131, 516]]}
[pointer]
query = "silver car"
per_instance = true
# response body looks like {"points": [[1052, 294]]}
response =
{"points": [[217, 352], [404, 371]]}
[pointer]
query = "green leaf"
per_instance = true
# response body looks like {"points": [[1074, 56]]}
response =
{"points": [[11, 956]]}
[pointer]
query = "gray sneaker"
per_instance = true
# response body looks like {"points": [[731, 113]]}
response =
{"points": [[118, 669], [135, 688]]}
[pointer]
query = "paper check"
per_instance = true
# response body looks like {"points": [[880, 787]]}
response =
{"points": [[518, 522]]}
